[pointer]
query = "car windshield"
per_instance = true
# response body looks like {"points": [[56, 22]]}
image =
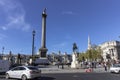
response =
{"points": [[32, 68], [116, 65]]}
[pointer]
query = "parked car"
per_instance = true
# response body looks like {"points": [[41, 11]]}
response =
{"points": [[4, 66], [115, 68], [23, 72]]}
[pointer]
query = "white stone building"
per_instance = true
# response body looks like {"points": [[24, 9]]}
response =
{"points": [[110, 50]]}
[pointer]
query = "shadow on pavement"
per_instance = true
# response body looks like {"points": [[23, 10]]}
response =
{"points": [[46, 78], [41, 78]]}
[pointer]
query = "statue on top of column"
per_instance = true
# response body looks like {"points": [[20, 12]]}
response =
{"points": [[44, 11]]}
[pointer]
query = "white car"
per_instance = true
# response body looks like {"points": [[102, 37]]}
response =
{"points": [[23, 72], [115, 68]]}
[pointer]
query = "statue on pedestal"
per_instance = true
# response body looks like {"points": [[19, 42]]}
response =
{"points": [[74, 63]]}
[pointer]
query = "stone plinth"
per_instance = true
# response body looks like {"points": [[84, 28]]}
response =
{"points": [[43, 52], [74, 63]]}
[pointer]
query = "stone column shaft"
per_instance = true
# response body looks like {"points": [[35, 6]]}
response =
{"points": [[43, 50], [43, 42]]}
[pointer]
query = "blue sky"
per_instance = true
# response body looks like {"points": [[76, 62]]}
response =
{"points": [[68, 21]]}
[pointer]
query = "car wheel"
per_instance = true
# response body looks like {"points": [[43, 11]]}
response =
{"points": [[24, 77], [119, 72], [7, 76]]}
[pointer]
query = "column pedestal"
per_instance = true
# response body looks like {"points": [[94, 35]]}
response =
{"points": [[43, 52]]}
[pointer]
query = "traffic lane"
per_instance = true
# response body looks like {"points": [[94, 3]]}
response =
{"points": [[75, 76], [81, 76], [2, 77]]}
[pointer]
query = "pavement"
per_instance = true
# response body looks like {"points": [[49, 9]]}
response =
{"points": [[66, 69]]}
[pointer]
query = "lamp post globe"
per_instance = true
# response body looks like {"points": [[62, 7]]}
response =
{"points": [[33, 32]]}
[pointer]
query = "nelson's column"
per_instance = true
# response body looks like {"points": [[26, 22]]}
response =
{"points": [[43, 50]]}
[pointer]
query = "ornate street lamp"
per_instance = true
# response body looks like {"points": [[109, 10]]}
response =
{"points": [[3, 52], [33, 35]]}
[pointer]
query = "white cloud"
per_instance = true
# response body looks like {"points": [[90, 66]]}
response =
{"points": [[15, 15], [68, 13], [3, 28], [2, 36], [63, 44], [68, 37]]}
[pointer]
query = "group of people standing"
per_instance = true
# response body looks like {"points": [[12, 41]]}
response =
{"points": [[88, 64], [94, 64]]}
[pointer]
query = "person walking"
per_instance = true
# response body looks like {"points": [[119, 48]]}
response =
{"points": [[105, 66], [58, 65]]}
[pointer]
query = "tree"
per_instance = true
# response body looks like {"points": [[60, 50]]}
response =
{"points": [[89, 54], [92, 54], [81, 57]]}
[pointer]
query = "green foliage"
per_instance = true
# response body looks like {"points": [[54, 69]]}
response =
{"points": [[92, 54], [81, 57]]}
